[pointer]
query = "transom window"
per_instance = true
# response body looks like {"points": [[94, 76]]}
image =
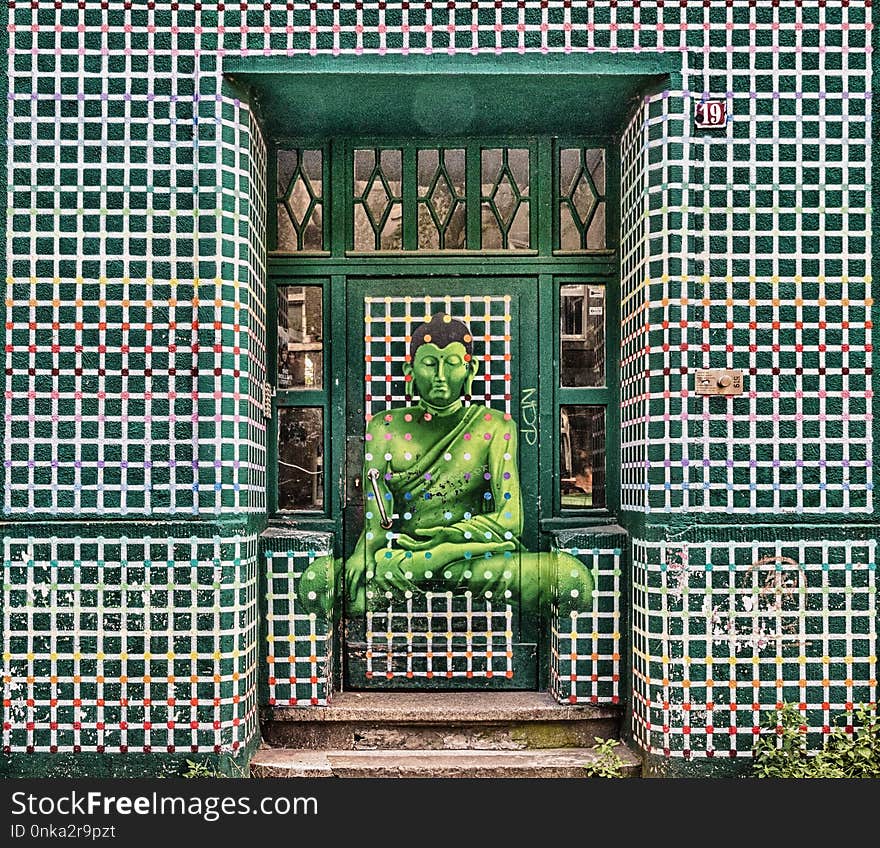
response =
{"points": [[467, 196]]}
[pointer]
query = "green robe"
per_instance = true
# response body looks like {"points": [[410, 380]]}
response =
{"points": [[450, 485]]}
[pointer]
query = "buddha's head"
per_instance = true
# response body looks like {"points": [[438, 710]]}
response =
{"points": [[441, 366]]}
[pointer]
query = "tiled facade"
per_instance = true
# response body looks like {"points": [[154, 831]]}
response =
{"points": [[726, 629], [135, 334]]}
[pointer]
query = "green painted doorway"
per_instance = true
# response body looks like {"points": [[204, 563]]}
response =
{"points": [[510, 242]]}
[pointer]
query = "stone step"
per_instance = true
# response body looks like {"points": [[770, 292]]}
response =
{"points": [[547, 763], [440, 720]]}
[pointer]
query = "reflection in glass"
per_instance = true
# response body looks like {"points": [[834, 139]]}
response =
{"points": [[582, 456], [299, 200], [300, 337], [378, 215], [505, 199], [300, 458], [442, 217], [581, 198], [582, 332]]}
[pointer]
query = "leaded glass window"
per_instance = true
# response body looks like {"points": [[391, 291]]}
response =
{"points": [[299, 200], [441, 197], [505, 199], [378, 202], [581, 199]]}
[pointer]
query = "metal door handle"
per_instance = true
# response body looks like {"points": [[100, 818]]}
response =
{"points": [[385, 521]]}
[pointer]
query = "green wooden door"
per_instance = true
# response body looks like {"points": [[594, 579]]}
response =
{"points": [[442, 574]]}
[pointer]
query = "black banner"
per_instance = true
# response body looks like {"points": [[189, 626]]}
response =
{"points": [[389, 812]]}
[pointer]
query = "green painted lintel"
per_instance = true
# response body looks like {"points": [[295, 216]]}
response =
{"points": [[592, 94], [599, 63]]}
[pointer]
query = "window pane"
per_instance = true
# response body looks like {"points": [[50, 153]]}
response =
{"points": [[300, 337], [442, 216], [505, 199], [582, 198], [582, 319], [299, 200], [378, 215], [582, 456], [300, 458]]}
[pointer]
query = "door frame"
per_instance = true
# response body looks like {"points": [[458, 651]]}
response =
{"points": [[550, 272]]}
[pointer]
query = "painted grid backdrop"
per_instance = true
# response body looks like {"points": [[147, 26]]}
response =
{"points": [[441, 636], [438, 635], [389, 323]]}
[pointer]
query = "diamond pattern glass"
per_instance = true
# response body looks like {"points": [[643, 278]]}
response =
{"points": [[505, 199], [581, 199], [378, 202], [442, 205], [299, 200]]}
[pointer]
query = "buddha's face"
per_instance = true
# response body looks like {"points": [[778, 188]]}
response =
{"points": [[441, 375]]}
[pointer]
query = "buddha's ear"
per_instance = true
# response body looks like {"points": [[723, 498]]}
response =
{"points": [[473, 367], [407, 373]]}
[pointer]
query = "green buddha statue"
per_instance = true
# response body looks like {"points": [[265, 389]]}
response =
{"points": [[443, 507]]}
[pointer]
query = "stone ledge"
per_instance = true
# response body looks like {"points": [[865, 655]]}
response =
{"points": [[441, 708], [548, 763]]}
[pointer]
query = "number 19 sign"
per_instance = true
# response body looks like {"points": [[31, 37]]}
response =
{"points": [[711, 115]]}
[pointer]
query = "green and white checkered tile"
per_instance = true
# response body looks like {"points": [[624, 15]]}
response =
{"points": [[126, 644], [724, 632]]}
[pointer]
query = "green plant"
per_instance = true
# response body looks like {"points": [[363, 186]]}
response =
{"points": [[606, 762], [781, 751], [196, 770]]}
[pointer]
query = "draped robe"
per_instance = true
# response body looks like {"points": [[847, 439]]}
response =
{"points": [[450, 486]]}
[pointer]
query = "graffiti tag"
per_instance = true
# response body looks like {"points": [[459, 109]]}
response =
{"points": [[528, 416]]}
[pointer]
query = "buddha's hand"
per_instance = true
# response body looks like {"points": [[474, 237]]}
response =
{"points": [[395, 571], [432, 536], [398, 571]]}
